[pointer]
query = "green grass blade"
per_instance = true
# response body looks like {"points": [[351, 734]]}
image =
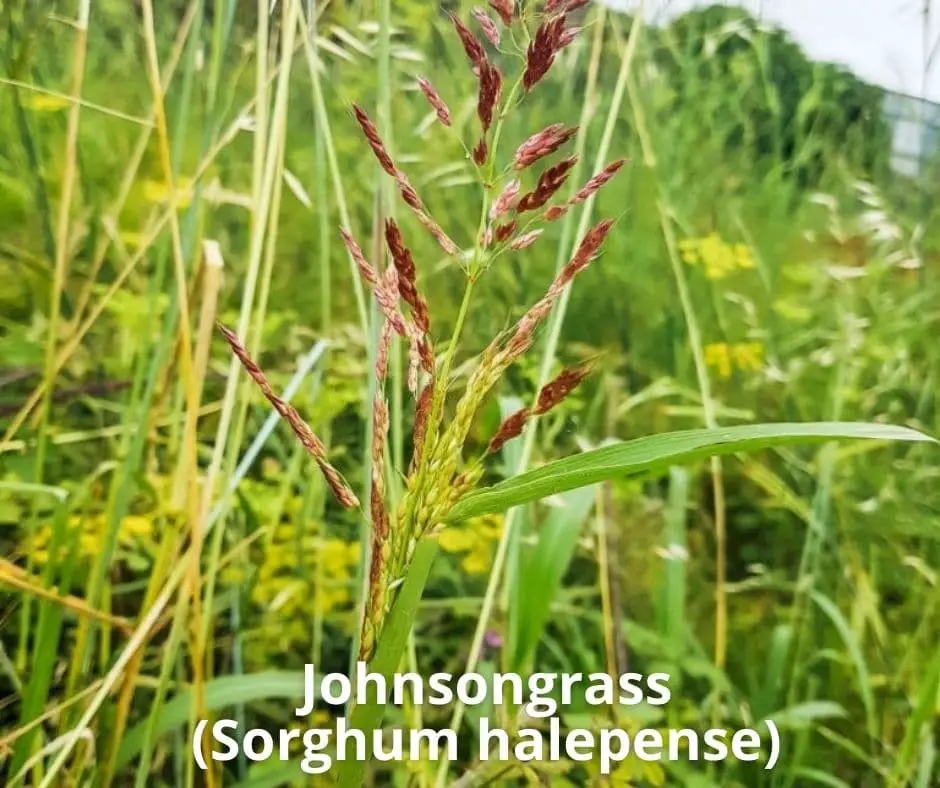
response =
{"points": [[368, 716], [658, 452], [219, 693], [542, 570]]}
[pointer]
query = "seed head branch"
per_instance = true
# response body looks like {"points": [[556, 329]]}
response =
{"points": [[305, 435]]}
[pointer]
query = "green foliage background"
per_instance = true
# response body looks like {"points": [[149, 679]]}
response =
{"points": [[832, 555]]}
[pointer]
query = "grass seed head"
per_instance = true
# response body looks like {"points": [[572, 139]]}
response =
{"points": [[563, 6], [491, 85], [503, 231], [525, 240], [355, 251], [505, 9], [511, 428], [541, 52], [413, 201], [506, 201], [471, 44], [549, 183], [598, 181], [407, 276], [481, 152], [542, 144], [556, 390], [435, 100], [487, 25], [308, 439], [589, 246], [375, 141]]}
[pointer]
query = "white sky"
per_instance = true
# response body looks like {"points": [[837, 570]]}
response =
{"points": [[880, 40]]}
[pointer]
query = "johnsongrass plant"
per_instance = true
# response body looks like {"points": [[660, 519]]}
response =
{"points": [[443, 484]]}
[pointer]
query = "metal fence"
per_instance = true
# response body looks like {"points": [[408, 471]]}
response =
{"points": [[915, 133]]}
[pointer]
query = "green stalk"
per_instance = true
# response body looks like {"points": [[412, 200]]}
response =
{"points": [[701, 373], [383, 202], [63, 222], [548, 359]]}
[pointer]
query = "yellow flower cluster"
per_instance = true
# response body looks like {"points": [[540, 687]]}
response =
{"points": [[475, 540], [290, 587], [159, 191], [718, 258], [743, 356], [287, 584], [91, 529]]}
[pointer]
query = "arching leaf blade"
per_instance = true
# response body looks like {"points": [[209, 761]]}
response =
{"points": [[657, 452]]}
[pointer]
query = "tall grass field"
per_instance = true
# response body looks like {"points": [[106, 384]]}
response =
{"points": [[379, 374]]}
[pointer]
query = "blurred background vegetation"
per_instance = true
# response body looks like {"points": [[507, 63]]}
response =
{"points": [[808, 265]]}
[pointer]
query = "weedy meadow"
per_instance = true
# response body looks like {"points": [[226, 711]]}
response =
{"points": [[182, 576]]}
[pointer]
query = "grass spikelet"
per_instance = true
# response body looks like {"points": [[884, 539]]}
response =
{"points": [[504, 9], [481, 152], [550, 396], [487, 25], [375, 141], [542, 144], [314, 446], [511, 427], [413, 201], [407, 191], [384, 288], [596, 182], [557, 390], [541, 52], [407, 276], [471, 44], [525, 240], [435, 100], [506, 201], [548, 185], [491, 84]]}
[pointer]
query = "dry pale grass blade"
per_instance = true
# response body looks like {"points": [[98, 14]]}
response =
{"points": [[17, 577], [50, 714], [133, 166], [69, 178], [166, 164], [211, 282], [77, 100]]}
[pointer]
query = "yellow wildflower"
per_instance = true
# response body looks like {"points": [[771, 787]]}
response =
{"points": [[455, 539], [89, 532], [474, 540], [717, 355], [717, 257], [743, 257], [159, 191], [689, 251], [743, 356], [748, 356], [475, 563]]}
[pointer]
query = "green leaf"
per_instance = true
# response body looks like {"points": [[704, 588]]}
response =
{"points": [[367, 717], [542, 569], [657, 453], [802, 715], [219, 693], [855, 654]]}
